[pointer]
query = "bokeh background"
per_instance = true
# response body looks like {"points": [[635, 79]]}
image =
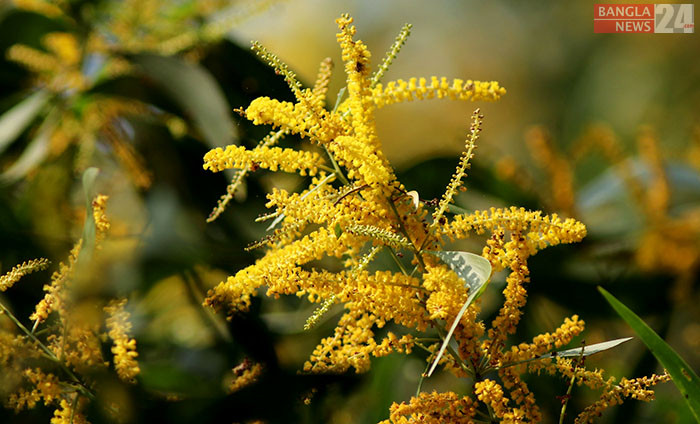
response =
{"points": [[151, 87]]}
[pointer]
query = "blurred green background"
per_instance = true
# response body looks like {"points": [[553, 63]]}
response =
{"points": [[180, 67]]}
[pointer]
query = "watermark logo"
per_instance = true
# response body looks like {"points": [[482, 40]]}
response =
{"points": [[644, 18]]}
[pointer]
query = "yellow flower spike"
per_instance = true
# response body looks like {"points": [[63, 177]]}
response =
{"points": [[391, 344], [43, 7], [350, 347], [638, 388], [359, 103], [280, 68], [270, 140], [277, 267], [521, 395], [272, 158], [391, 54], [102, 225], [295, 118], [19, 271], [461, 172], [53, 299], [515, 298], [545, 342], [538, 231], [418, 89], [385, 236], [387, 296], [330, 301], [323, 79], [65, 46], [32, 59], [45, 387], [123, 348], [361, 161]]}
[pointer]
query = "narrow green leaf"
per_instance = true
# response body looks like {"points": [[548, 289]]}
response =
{"points": [[35, 152], [475, 270], [196, 91], [682, 374], [587, 350], [15, 120]]}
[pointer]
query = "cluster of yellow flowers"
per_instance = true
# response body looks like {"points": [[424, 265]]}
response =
{"points": [[55, 363], [354, 207]]}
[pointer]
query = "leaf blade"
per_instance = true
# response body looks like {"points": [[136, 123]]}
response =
{"points": [[587, 350], [14, 121], [475, 270], [196, 92], [681, 373]]}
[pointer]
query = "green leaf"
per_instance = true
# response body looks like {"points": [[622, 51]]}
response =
{"points": [[35, 152], [196, 91], [682, 374], [15, 120], [475, 270], [587, 350]]}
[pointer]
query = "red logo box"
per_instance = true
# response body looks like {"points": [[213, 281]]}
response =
{"points": [[615, 18]]}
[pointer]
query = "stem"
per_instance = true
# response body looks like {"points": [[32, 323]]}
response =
{"points": [[416, 252], [396, 259], [339, 98], [408, 286], [567, 396], [422, 377], [81, 386], [326, 168], [338, 172], [452, 352], [492, 415], [73, 408]]}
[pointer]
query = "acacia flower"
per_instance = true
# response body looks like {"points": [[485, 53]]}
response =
{"points": [[19, 271], [124, 348]]}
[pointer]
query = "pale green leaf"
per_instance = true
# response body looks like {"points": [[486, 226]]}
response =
{"points": [[587, 350], [36, 151], [196, 92], [16, 120], [475, 270]]}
